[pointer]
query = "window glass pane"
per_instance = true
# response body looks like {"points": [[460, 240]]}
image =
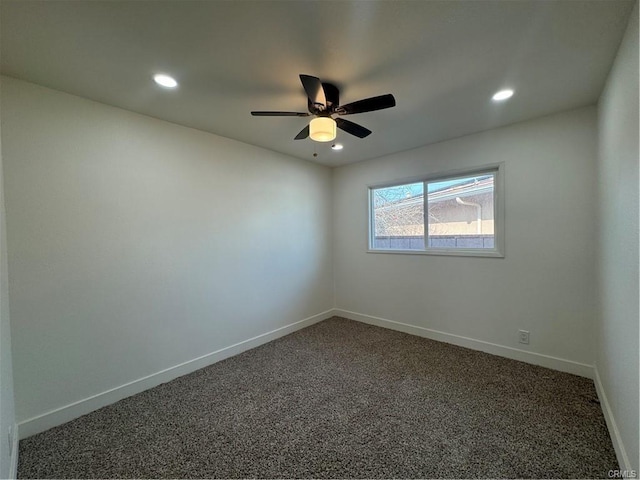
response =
{"points": [[398, 215], [461, 213]]}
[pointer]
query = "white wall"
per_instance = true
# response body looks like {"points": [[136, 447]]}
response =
{"points": [[617, 251], [545, 283], [136, 245], [7, 416]]}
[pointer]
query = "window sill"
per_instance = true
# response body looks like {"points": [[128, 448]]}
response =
{"points": [[445, 252]]}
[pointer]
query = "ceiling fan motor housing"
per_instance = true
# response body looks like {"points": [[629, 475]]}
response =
{"points": [[332, 96]]}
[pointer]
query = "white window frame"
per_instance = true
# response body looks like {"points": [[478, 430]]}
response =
{"points": [[498, 213]]}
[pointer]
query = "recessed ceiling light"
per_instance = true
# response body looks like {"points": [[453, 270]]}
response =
{"points": [[337, 146], [503, 95], [165, 80]]}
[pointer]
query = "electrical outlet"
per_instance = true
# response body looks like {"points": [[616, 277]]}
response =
{"points": [[523, 336]]}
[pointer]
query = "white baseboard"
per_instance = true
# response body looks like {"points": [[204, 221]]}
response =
{"points": [[614, 433], [13, 472], [66, 413], [74, 410], [547, 361]]}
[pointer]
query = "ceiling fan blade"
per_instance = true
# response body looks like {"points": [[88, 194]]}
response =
{"points": [[367, 105], [280, 114], [304, 133], [352, 128], [315, 92]]}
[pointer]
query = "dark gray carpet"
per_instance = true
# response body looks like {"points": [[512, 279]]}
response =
{"points": [[341, 399]]}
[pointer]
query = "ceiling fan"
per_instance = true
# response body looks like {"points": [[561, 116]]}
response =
{"points": [[323, 102]]}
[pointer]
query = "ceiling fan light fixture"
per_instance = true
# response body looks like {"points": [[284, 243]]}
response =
{"points": [[322, 129]]}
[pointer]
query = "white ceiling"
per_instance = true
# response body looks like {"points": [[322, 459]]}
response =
{"points": [[441, 59]]}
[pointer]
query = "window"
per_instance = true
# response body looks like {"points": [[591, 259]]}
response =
{"points": [[460, 214]]}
